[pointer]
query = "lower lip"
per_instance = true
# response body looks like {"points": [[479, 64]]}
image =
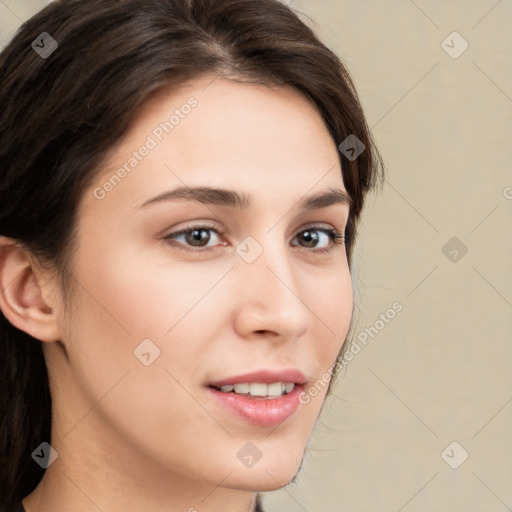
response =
{"points": [[258, 410]]}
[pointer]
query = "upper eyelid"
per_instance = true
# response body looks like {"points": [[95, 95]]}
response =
{"points": [[207, 226]]}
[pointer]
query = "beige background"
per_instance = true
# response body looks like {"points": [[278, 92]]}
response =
{"points": [[440, 371]]}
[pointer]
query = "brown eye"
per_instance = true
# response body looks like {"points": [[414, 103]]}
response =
{"points": [[312, 238], [195, 236]]}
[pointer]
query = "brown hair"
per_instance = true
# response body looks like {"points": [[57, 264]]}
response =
{"points": [[62, 113]]}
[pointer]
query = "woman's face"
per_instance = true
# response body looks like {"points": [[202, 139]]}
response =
{"points": [[158, 316]]}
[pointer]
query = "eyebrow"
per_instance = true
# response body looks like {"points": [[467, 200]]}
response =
{"points": [[242, 201]]}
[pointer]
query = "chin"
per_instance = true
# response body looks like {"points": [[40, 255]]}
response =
{"points": [[271, 475], [265, 482]]}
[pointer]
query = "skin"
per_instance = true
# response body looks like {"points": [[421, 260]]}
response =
{"points": [[135, 437]]}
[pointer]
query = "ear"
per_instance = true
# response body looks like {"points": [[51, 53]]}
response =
{"points": [[24, 302]]}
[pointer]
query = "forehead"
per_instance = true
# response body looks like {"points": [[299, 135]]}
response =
{"points": [[221, 132]]}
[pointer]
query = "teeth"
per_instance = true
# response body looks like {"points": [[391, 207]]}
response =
{"points": [[259, 388], [275, 389], [242, 388]]}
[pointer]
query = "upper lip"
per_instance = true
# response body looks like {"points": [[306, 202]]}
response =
{"points": [[264, 376]]}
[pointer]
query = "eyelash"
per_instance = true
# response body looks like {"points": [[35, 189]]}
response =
{"points": [[336, 238]]}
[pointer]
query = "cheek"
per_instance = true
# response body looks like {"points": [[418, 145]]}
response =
{"points": [[143, 291], [127, 297], [332, 305], [122, 302]]}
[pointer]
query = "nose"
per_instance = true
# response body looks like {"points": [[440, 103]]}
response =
{"points": [[270, 295]]}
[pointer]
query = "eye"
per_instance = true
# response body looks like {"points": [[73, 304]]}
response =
{"points": [[196, 236], [332, 237], [199, 237]]}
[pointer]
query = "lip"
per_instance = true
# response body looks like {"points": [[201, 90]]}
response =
{"points": [[263, 376], [257, 410]]}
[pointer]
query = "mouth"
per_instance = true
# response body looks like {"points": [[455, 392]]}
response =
{"points": [[261, 398]]}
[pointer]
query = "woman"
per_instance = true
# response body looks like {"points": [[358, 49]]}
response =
{"points": [[180, 187]]}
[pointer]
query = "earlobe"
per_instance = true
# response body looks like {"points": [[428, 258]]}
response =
{"points": [[21, 296]]}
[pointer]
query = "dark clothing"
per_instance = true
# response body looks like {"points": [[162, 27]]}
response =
{"points": [[258, 507]]}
